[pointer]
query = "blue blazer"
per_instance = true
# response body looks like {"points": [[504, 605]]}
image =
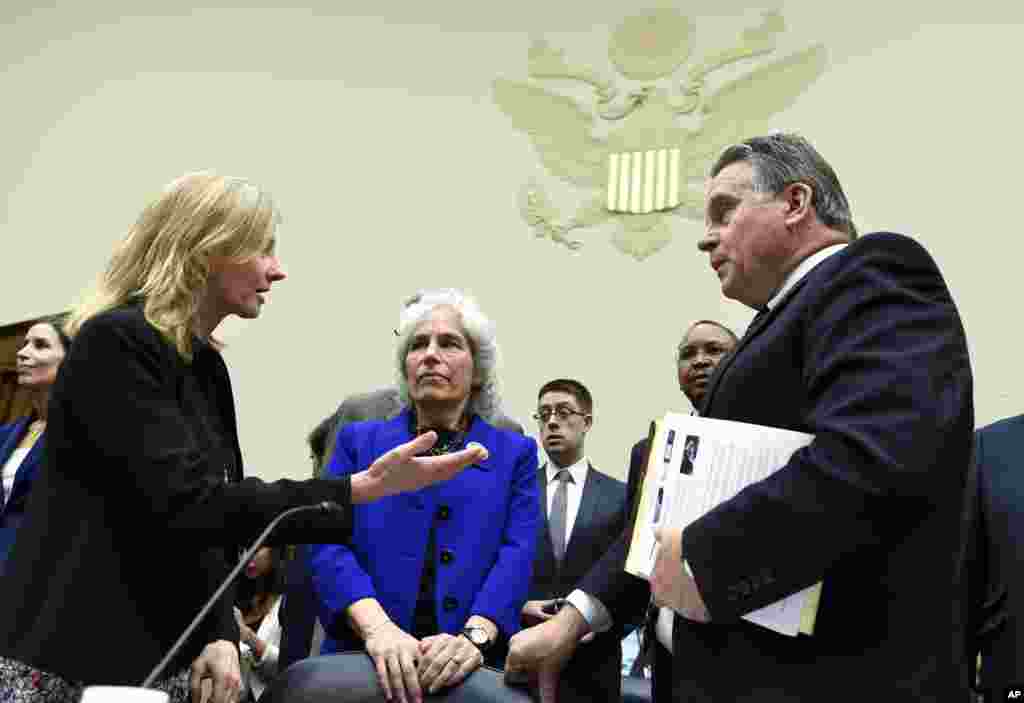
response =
{"points": [[487, 520], [13, 510]]}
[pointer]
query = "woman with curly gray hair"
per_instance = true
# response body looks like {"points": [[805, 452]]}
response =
{"points": [[465, 548], [484, 398]]}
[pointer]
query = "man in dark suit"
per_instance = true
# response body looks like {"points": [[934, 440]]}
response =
{"points": [[702, 348], [584, 512], [997, 615], [860, 344]]}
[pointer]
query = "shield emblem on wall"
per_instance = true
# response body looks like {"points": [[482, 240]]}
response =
{"points": [[643, 181]]}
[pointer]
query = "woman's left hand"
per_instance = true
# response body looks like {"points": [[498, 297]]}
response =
{"points": [[445, 660]]}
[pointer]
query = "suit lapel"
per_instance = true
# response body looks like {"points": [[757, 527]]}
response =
{"points": [[752, 331], [547, 550], [27, 471], [7, 448], [542, 480], [14, 436], [589, 501]]}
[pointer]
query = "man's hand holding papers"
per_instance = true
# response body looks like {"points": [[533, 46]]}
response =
{"points": [[671, 586], [679, 487]]}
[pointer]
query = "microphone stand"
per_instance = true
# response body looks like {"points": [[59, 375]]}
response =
{"points": [[326, 506]]}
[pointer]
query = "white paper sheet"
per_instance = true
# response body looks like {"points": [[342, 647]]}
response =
{"points": [[722, 458]]}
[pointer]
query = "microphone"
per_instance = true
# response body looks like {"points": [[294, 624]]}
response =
{"points": [[326, 506]]}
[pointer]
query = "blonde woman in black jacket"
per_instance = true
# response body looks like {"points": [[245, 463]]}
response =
{"points": [[143, 467]]}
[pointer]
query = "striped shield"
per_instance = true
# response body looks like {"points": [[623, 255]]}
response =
{"points": [[643, 181]]}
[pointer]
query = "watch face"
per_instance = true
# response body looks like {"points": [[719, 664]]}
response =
{"points": [[477, 636]]}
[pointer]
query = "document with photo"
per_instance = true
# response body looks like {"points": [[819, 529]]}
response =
{"points": [[693, 465]]}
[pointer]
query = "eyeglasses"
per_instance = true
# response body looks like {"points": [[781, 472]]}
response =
{"points": [[562, 412]]}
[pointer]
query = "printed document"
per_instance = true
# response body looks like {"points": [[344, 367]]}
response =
{"points": [[693, 465]]}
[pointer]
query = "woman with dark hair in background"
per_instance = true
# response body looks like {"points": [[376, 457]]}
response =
{"points": [[22, 441]]}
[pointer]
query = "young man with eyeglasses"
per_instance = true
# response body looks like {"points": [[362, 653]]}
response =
{"points": [[584, 512]]}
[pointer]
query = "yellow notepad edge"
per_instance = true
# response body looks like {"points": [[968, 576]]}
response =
{"points": [[809, 613]]}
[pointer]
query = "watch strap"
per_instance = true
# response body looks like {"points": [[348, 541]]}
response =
{"points": [[485, 645]]}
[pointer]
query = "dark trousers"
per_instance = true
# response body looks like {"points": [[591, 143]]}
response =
{"points": [[661, 676]]}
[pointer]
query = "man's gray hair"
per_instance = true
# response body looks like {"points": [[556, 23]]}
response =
{"points": [[780, 159], [484, 399]]}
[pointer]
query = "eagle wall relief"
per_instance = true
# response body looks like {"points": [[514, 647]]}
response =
{"points": [[661, 138]]}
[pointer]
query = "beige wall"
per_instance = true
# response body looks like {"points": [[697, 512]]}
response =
{"points": [[374, 126]]}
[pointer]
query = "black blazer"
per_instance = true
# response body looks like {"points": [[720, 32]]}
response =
{"points": [[626, 596], [867, 352], [139, 507], [997, 630], [594, 673]]}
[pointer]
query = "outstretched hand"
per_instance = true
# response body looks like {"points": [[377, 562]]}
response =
{"points": [[402, 469]]}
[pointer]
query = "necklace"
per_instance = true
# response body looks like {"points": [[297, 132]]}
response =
{"points": [[447, 440], [34, 430]]}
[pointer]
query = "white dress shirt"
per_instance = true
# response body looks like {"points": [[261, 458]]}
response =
{"points": [[802, 269], [10, 470], [595, 613], [592, 609]]}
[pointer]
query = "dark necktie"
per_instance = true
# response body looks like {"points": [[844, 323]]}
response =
{"points": [[761, 312], [758, 320], [556, 521]]}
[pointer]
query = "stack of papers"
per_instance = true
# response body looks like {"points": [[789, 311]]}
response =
{"points": [[695, 464]]}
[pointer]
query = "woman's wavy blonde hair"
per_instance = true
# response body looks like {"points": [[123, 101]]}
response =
{"points": [[165, 257]]}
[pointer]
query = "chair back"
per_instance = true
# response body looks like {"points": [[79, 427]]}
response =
{"points": [[352, 678]]}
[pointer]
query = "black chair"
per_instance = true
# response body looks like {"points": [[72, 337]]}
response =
{"points": [[351, 678], [298, 614]]}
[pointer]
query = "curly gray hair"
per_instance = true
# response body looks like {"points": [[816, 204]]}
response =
{"points": [[484, 399]]}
